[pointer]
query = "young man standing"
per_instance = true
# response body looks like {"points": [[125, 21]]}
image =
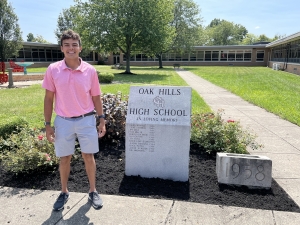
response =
{"points": [[74, 87]]}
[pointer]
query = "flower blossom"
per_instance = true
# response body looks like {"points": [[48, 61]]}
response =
{"points": [[48, 158], [40, 137], [230, 121]]}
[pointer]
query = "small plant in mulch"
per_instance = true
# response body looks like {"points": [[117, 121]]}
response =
{"points": [[213, 134]]}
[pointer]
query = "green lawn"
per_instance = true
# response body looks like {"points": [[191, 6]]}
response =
{"points": [[276, 91], [36, 70], [28, 102]]}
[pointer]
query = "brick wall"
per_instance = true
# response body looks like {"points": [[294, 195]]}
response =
{"points": [[27, 77]]}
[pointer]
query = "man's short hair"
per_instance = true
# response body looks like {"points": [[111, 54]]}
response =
{"points": [[70, 34]]}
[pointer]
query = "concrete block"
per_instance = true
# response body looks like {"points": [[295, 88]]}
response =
{"points": [[242, 169]]}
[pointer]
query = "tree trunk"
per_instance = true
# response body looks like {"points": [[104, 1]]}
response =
{"points": [[127, 70], [159, 56], [127, 63]]}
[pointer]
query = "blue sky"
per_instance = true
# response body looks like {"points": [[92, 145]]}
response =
{"points": [[258, 16]]}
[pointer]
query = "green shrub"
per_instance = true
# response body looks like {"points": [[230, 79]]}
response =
{"points": [[10, 125], [115, 110], [101, 62], [105, 77], [213, 135], [27, 150]]}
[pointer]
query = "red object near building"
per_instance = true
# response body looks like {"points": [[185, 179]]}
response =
{"points": [[15, 67], [3, 75]]}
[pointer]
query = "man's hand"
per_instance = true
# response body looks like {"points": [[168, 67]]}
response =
{"points": [[50, 134], [101, 128]]}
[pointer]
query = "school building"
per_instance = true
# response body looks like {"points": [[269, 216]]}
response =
{"points": [[283, 54]]}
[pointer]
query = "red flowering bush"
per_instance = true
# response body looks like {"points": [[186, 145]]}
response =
{"points": [[27, 149], [213, 134]]}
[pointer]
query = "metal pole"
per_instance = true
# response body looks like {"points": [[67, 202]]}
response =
{"points": [[10, 78]]}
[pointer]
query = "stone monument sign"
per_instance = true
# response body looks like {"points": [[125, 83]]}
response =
{"points": [[158, 132]]}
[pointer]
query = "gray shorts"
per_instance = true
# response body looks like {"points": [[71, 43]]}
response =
{"points": [[66, 131]]}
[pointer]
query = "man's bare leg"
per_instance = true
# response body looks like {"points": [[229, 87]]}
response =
{"points": [[90, 167], [64, 170]]}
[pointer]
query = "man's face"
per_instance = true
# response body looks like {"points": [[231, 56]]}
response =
{"points": [[71, 48]]}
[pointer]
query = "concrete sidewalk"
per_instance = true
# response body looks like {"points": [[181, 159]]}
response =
{"points": [[33, 207], [282, 144], [281, 139], [21, 84]]}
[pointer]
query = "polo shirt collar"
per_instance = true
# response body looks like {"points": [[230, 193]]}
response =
{"points": [[80, 67]]}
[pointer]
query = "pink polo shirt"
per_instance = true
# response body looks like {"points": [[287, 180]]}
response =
{"points": [[73, 88]]}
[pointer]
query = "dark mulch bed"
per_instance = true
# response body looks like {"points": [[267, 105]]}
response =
{"points": [[202, 186]]}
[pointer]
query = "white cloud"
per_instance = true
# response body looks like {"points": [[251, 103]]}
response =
{"points": [[257, 27]]}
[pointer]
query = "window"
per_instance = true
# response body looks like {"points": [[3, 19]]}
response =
{"points": [[138, 57], [207, 55], [177, 57], [260, 54], [200, 55], [144, 57], [231, 56], [247, 55], [224, 55], [27, 53], [239, 56], [152, 58], [21, 53], [172, 56], [215, 56], [185, 56], [165, 57], [193, 56], [42, 54], [132, 57], [49, 55]]}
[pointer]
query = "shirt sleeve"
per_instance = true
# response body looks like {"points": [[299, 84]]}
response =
{"points": [[95, 90], [48, 80]]}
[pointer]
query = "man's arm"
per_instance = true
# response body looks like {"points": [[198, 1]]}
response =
{"points": [[99, 109], [48, 109]]}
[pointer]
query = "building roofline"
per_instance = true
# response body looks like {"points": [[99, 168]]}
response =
{"points": [[228, 47], [284, 40], [204, 47], [27, 43]]}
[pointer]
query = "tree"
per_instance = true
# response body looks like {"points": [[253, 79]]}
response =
{"points": [[184, 33], [263, 37], [30, 37], [38, 38], [278, 36], [65, 21], [187, 26], [122, 25], [223, 32], [10, 33], [215, 22], [249, 39]]}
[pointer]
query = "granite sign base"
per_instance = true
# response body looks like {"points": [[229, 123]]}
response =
{"points": [[158, 127], [167, 157]]}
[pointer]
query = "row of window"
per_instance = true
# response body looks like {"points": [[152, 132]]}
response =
{"points": [[52, 54], [227, 55], [41, 54], [289, 52]]}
